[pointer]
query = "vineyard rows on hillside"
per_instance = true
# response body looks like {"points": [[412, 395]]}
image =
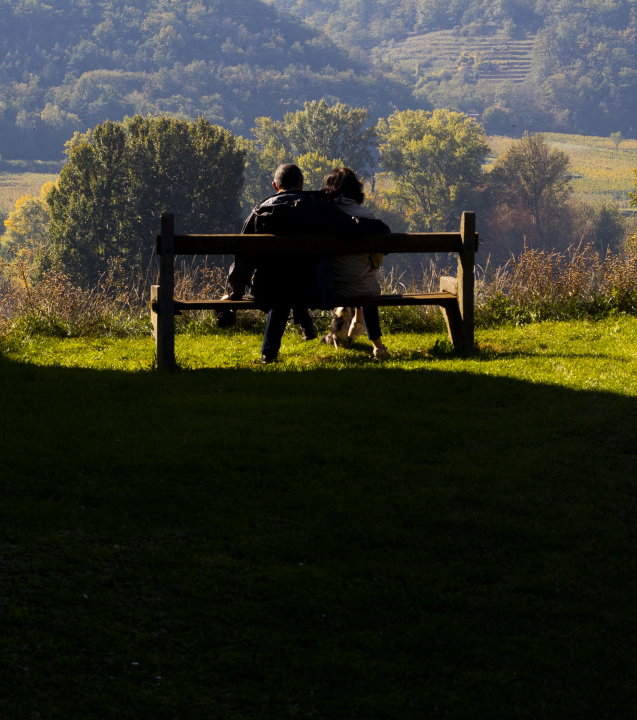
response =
{"points": [[495, 58]]}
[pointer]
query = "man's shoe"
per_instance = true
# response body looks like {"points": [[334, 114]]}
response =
{"points": [[309, 333], [266, 359], [356, 329]]}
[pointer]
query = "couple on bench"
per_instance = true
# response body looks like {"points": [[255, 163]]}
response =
{"points": [[301, 280]]}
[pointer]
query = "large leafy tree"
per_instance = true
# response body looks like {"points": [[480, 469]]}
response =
{"points": [[536, 177], [260, 165], [435, 162], [120, 178], [335, 131], [315, 167]]}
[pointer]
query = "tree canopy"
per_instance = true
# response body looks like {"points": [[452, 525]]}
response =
{"points": [[582, 71], [120, 178], [69, 65], [335, 131], [536, 176], [435, 161], [26, 226]]}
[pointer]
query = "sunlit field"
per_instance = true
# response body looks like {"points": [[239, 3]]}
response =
{"points": [[598, 169], [15, 185]]}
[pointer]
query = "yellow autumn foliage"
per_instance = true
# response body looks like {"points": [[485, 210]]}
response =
{"points": [[27, 225]]}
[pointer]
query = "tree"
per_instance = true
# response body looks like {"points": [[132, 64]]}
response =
{"points": [[260, 166], [435, 162], [499, 120], [331, 132], [616, 138], [315, 167], [120, 177], [633, 195], [26, 226], [609, 225], [536, 177]]}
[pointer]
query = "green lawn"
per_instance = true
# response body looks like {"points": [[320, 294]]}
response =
{"points": [[436, 536]]}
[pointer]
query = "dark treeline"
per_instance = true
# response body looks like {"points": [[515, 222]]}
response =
{"points": [[72, 64]]}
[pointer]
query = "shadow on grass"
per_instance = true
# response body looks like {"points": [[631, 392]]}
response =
{"points": [[249, 544]]}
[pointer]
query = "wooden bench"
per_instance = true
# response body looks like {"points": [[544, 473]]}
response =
{"points": [[455, 298]]}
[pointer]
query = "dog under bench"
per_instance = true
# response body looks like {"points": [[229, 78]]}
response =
{"points": [[455, 298]]}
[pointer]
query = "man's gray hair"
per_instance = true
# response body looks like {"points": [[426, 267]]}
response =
{"points": [[288, 177]]}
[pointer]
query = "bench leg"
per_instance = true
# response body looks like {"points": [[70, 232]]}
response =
{"points": [[451, 312], [466, 278], [165, 324], [163, 332]]}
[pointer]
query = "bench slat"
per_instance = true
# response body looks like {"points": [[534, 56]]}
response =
{"points": [[316, 244], [437, 298]]}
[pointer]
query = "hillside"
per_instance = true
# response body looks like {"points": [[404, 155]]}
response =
{"points": [[494, 58], [562, 67], [69, 66], [370, 23]]}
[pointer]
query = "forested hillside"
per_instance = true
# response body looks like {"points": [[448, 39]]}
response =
{"points": [[367, 23], [68, 65], [580, 75], [568, 66]]}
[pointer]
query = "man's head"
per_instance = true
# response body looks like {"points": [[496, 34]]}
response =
{"points": [[288, 177]]}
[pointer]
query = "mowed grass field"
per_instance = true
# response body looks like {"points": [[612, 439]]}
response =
{"points": [[598, 168], [437, 536]]}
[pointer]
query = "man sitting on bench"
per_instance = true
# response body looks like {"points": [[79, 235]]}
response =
{"points": [[291, 279]]}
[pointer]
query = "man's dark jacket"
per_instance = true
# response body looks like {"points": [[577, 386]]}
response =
{"points": [[294, 278]]}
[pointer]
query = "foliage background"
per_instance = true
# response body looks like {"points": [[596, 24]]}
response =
{"points": [[69, 66]]}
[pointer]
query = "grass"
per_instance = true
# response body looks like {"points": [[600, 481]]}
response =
{"points": [[436, 536], [536, 353]]}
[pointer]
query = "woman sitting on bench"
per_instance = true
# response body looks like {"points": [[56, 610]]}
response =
{"points": [[355, 275]]}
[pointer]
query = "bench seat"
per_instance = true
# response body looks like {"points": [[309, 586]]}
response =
{"points": [[443, 299]]}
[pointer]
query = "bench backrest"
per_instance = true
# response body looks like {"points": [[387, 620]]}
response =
{"points": [[316, 244]]}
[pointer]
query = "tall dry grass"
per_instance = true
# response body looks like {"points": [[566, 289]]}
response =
{"points": [[537, 285], [549, 285], [51, 305]]}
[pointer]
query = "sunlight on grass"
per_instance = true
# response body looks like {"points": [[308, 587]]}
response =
{"points": [[15, 185], [598, 168], [581, 355]]}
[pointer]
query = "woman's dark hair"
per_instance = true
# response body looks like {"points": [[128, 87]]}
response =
{"points": [[343, 181]]}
